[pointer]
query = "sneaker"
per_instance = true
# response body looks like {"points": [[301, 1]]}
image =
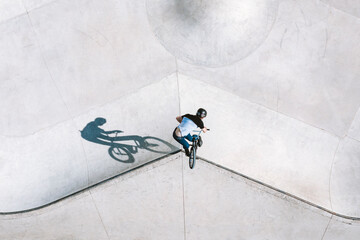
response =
{"points": [[187, 153]]}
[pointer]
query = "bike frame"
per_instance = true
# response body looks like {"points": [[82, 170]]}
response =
{"points": [[196, 136], [192, 157]]}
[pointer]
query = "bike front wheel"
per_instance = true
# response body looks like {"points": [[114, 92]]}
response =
{"points": [[192, 158], [158, 145]]}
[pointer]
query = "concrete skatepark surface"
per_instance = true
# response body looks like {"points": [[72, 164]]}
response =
{"points": [[167, 200], [280, 80]]}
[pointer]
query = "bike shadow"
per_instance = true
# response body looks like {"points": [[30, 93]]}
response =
{"points": [[120, 151]]}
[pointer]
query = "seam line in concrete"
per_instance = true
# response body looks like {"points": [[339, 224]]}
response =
{"points": [[47, 67], [326, 228], [331, 170], [59, 92], [86, 161], [353, 139], [178, 84], [93, 200], [183, 193], [26, 11], [181, 158], [278, 94], [14, 17], [338, 9], [352, 122]]}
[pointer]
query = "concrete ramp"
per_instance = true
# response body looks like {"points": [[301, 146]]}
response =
{"points": [[64, 65], [88, 86], [167, 200]]}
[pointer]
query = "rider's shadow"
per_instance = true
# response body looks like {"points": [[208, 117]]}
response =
{"points": [[120, 151]]}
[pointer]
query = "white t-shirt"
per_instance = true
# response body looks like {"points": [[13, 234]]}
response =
{"points": [[186, 126]]}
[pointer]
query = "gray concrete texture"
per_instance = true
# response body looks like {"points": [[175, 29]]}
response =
{"points": [[167, 200], [279, 78]]}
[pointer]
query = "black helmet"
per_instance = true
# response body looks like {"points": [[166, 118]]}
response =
{"points": [[201, 113]]}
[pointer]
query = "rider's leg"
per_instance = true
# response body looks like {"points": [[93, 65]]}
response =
{"points": [[189, 137], [183, 142]]}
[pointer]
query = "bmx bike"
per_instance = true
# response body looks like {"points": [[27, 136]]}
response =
{"points": [[124, 152], [196, 142]]}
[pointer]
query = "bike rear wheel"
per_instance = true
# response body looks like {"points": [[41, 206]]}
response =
{"points": [[192, 158], [121, 154]]}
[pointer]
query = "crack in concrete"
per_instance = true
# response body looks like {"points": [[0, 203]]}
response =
{"points": [[98, 212], [282, 38], [326, 42]]}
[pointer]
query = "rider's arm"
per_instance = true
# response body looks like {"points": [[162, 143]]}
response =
{"points": [[114, 131], [100, 130], [179, 119]]}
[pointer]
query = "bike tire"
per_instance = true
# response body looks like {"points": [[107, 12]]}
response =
{"points": [[121, 154], [192, 158]]}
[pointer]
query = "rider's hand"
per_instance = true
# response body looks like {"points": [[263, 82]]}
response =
{"points": [[204, 129]]}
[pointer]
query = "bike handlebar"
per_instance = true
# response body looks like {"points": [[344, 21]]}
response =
{"points": [[200, 131]]}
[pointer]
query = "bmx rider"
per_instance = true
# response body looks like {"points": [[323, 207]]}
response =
{"points": [[189, 123]]}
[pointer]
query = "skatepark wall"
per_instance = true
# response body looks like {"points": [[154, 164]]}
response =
{"points": [[64, 66], [288, 114], [285, 111]]}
